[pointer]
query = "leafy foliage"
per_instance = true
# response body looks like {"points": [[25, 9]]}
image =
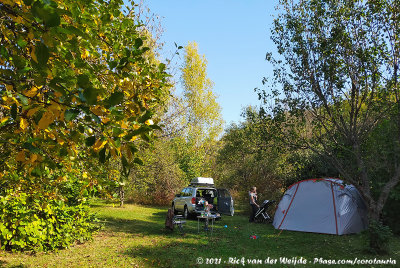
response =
{"points": [[32, 223], [337, 89], [77, 88], [202, 121]]}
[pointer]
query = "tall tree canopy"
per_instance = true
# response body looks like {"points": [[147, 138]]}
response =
{"points": [[202, 121], [338, 71]]}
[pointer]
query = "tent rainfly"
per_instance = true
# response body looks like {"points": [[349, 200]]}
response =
{"points": [[322, 206]]}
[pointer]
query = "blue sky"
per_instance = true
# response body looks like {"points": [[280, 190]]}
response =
{"points": [[234, 37]]}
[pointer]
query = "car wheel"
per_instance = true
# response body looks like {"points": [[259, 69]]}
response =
{"points": [[185, 212]]}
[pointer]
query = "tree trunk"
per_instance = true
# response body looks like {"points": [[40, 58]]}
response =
{"points": [[121, 195]]}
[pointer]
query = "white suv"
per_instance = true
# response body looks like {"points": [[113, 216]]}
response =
{"points": [[191, 199]]}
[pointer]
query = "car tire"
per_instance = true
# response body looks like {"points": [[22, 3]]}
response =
{"points": [[186, 213]]}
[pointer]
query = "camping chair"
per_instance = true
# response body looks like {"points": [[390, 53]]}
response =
{"points": [[172, 220], [179, 221]]}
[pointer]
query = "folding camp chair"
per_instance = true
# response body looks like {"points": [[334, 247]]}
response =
{"points": [[179, 221], [172, 220]]}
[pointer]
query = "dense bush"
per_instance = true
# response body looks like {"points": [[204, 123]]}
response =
{"points": [[32, 223], [379, 237]]}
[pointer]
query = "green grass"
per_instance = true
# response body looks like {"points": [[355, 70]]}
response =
{"points": [[134, 236]]}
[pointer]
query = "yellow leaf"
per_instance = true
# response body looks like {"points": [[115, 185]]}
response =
{"points": [[99, 145], [97, 110], [51, 136], [105, 120], [30, 35], [33, 55], [9, 87], [8, 2], [85, 54], [55, 108], [124, 125], [34, 157], [32, 111], [4, 120], [149, 122], [23, 123], [46, 120], [113, 153], [134, 138], [20, 156], [32, 92]]}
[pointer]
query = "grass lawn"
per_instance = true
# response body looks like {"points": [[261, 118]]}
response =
{"points": [[134, 236]]}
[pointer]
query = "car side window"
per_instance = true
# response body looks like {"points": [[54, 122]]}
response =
{"points": [[183, 192], [189, 191]]}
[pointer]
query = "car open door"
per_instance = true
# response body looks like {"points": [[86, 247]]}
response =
{"points": [[225, 202]]}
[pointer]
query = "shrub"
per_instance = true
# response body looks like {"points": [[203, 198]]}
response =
{"points": [[379, 237], [31, 223]]}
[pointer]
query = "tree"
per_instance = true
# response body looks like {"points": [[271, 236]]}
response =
{"points": [[339, 81], [76, 83], [202, 122], [251, 155]]}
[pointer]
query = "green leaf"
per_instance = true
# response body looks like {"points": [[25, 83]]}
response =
{"points": [[102, 155], [36, 172], [136, 132], [145, 137], [115, 98], [161, 67], [138, 42], [124, 162], [51, 19], [3, 52], [112, 64], [116, 131], [90, 95], [90, 141], [145, 117], [28, 2], [138, 161], [71, 114], [47, 13], [23, 99], [133, 149], [63, 152], [81, 129], [42, 53], [31, 148], [14, 110], [83, 81], [21, 42]]}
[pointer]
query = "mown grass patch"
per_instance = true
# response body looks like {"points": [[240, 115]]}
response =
{"points": [[134, 236]]}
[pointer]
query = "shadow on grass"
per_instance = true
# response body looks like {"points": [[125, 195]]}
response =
{"points": [[4, 264], [133, 226], [173, 254], [234, 240]]}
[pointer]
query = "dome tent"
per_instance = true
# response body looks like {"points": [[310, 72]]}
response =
{"points": [[321, 206]]}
